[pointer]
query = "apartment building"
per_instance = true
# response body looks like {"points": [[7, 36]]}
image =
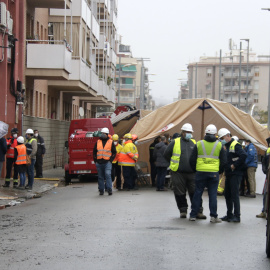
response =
{"points": [[129, 80], [245, 86]]}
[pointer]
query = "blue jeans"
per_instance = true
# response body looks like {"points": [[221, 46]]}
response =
{"points": [[104, 173], [30, 172], [22, 179], [161, 174], [202, 180]]}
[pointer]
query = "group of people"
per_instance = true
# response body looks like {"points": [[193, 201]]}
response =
{"points": [[24, 155], [113, 159], [198, 165]]}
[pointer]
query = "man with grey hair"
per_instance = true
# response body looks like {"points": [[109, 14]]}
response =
{"points": [[183, 177], [161, 163]]}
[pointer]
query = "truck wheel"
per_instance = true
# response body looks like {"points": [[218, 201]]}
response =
{"points": [[268, 236], [67, 178]]}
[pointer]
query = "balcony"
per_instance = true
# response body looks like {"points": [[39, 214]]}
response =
{"points": [[48, 3], [127, 87], [236, 74], [48, 61], [124, 99], [80, 71], [105, 6], [94, 81], [126, 74], [236, 88], [112, 57]]}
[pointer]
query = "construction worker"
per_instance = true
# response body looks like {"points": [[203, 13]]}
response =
{"points": [[208, 159], [20, 160], [40, 154], [127, 159], [251, 164], [152, 161], [31, 149], [116, 168], [265, 165], [11, 144], [234, 169], [178, 153], [104, 153]]}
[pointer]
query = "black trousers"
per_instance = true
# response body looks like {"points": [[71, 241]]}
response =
{"points": [[38, 166], [130, 176], [244, 183], [116, 171], [231, 193], [153, 172], [9, 163]]}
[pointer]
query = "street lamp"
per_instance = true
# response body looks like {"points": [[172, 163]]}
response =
{"points": [[247, 40]]}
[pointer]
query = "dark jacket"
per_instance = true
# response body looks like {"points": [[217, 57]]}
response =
{"points": [[265, 163], [187, 147], [3, 149], [222, 155], [237, 159], [151, 152], [41, 146], [158, 155], [102, 161], [252, 157]]}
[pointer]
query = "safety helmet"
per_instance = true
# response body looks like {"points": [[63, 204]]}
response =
{"points": [[20, 139], [29, 131], [128, 136], [222, 132], [105, 130], [187, 127], [211, 129], [235, 138], [115, 137], [134, 137], [243, 143], [15, 130]]}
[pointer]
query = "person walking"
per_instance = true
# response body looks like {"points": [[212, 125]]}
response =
{"points": [[11, 144], [40, 154], [178, 153], [20, 160], [161, 163], [104, 153], [234, 169], [265, 167], [252, 164], [3, 151], [127, 159], [153, 169], [31, 150], [116, 168], [208, 159]]}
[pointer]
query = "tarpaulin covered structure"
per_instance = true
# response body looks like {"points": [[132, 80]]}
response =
{"points": [[199, 113], [125, 121]]}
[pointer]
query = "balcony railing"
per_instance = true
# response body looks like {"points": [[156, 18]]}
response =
{"points": [[80, 71], [236, 74], [127, 86], [235, 88], [94, 81], [48, 55], [127, 74]]}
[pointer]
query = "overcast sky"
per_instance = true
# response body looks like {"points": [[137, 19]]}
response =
{"points": [[175, 32]]}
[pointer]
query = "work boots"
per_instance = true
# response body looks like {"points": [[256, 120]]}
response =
{"points": [[7, 183], [261, 215], [15, 184]]}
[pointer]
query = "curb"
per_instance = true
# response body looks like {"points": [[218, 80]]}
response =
{"points": [[48, 179]]}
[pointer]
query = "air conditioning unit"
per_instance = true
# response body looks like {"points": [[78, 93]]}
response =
{"points": [[9, 23], [3, 14]]}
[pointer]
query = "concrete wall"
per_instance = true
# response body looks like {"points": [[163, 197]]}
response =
{"points": [[55, 133]]}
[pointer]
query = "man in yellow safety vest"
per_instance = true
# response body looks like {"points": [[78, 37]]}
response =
{"points": [[208, 160]]}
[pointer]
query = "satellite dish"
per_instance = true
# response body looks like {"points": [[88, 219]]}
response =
{"points": [[81, 111]]}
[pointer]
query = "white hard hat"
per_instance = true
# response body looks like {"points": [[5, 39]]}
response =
{"points": [[20, 139], [187, 127], [211, 129], [105, 130], [243, 144], [29, 131], [235, 138], [222, 132]]}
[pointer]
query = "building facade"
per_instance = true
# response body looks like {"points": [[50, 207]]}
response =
{"points": [[244, 84]]}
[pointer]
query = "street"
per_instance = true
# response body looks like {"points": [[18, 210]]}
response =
{"points": [[75, 228]]}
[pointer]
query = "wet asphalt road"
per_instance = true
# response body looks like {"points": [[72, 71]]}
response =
{"points": [[75, 228]]}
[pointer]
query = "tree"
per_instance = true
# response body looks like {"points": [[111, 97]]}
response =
{"points": [[262, 116]]}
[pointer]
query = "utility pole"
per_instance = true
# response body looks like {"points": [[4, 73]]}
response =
{"points": [[119, 78], [219, 88], [240, 68]]}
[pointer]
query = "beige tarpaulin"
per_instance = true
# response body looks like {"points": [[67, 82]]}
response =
{"points": [[125, 121], [199, 113]]}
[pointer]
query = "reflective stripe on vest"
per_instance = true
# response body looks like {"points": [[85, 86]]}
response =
{"points": [[232, 146], [10, 150], [104, 153], [175, 159], [208, 156], [21, 158]]}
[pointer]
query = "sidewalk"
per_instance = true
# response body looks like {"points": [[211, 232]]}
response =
{"points": [[12, 196]]}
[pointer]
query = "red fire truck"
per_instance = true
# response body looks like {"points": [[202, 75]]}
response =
{"points": [[80, 145]]}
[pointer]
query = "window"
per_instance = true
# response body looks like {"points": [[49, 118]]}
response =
{"points": [[209, 72], [256, 71], [37, 35], [256, 98], [208, 95], [256, 85], [209, 86]]}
